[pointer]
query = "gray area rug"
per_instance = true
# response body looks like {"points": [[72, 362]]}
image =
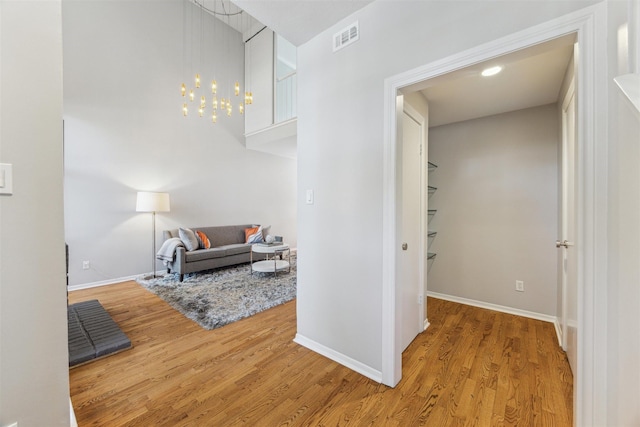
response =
{"points": [[215, 298]]}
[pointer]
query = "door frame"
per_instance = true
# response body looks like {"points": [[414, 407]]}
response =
{"points": [[590, 25]]}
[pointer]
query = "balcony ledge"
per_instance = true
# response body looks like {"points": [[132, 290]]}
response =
{"points": [[279, 139]]}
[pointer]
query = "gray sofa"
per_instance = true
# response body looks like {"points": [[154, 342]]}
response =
{"points": [[228, 247]]}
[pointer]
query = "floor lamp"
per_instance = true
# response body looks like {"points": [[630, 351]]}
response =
{"points": [[152, 202]]}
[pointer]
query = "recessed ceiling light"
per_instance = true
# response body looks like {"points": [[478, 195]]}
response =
{"points": [[491, 71]]}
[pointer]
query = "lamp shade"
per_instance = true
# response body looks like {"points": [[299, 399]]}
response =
{"points": [[152, 202]]}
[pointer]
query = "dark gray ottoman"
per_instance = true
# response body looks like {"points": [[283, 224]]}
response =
{"points": [[92, 333]]}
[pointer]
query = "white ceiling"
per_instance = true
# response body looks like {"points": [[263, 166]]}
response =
{"points": [[299, 21], [530, 77]]}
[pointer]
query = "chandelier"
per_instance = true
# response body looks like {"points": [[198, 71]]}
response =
{"points": [[230, 93]]}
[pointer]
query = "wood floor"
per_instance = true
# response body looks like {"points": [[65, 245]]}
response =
{"points": [[472, 367]]}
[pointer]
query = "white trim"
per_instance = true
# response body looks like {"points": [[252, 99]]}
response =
{"points": [[338, 357], [105, 282], [495, 307], [556, 325], [72, 415], [590, 24], [391, 352]]}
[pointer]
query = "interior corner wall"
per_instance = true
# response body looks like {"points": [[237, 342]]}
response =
{"points": [[340, 151], [497, 207], [124, 131], [34, 372]]}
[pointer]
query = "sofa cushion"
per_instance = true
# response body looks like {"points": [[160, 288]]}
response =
{"points": [[189, 239], [240, 248], [204, 254]]}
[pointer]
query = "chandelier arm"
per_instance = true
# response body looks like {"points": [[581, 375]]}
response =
{"points": [[213, 12]]}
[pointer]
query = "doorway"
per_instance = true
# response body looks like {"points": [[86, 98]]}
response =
{"points": [[591, 217]]}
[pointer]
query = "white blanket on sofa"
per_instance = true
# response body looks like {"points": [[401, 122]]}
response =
{"points": [[167, 252]]}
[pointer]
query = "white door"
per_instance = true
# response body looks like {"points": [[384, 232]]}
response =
{"points": [[410, 267], [566, 243]]}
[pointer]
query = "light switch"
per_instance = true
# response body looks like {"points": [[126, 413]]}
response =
{"points": [[309, 197], [6, 178]]}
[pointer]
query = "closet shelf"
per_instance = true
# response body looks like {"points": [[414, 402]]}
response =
{"points": [[432, 211], [432, 233], [432, 166], [431, 255], [432, 189]]}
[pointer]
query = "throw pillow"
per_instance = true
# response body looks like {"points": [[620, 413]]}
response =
{"points": [[253, 235], [189, 239], [265, 232], [203, 240]]}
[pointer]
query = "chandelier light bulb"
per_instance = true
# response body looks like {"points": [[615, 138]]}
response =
{"points": [[241, 108], [246, 97], [237, 89], [197, 80], [214, 87], [214, 117], [223, 104], [185, 110], [191, 95], [183, 90], [200, 111], [203, 102], [229, 109], [250, 97], [215, 103]]}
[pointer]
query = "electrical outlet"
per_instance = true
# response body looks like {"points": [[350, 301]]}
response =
{"points": [[519, 286], [86, 265]]}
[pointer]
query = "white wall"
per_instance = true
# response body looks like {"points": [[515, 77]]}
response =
{"points": [[34, 382], [124, 132], [497, 207], [340, 152], [623, 345], [259, 60]]}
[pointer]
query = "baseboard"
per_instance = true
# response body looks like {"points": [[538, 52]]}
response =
{"points": [[340, 358], [495, 307], [556, 324], [104, 282], [72, 415]]}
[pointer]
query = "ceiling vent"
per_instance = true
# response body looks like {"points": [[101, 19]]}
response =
{"points": [[346, 37]]}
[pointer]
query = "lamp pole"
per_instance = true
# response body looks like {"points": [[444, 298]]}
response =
{"points": [[152, 202], [153, 237]]}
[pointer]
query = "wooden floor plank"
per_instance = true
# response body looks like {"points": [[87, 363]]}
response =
{"points": [[472, 367]]}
